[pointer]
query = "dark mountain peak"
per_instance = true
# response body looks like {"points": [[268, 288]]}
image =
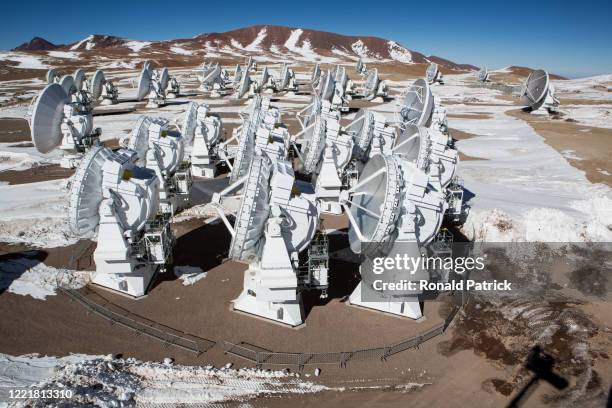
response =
{"points": [[36, 44]]}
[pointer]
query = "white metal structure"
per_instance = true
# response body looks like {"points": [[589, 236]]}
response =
{"points": [[214, 80], [374, 88], [286, 81], [58, 121], [418, 104], [483, 75], [433, 74], [371, 134], [361, 68], [52, 76], [246, 87], [315, 76], [266, 82], [99, 86], [119, 199], [273, 225], [538, 92], [393, 210], [260, 133], [161, 150], [150, 87], [343, 87], [202, 130]]}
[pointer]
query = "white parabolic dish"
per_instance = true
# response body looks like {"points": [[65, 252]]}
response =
{"points": [[97, 82], [86, 192], [417, 107], [535, 88], [144, 84], [377, 198], [47, 115], [254, 211]]}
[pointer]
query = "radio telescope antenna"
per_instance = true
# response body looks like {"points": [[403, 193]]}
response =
{"points": [[273, 225], [237, 74], [483, 74], [100, 87], [392, 209], [244, 86], [150, 89], [538, 92], [162, 151], [429, 150], [47, 118], [52, 76], [360, 67], [328, 85], [86, 192], [67, 82], [148, 65], [144, 84], [371, 83], [244, 153], [417, 106], [97, 82], [189, 124], [316, 75], [315, 145], [362, 129], [59, 122], [164, 78], [119, 199], [433, 74], [79, 79], [375, 205]]}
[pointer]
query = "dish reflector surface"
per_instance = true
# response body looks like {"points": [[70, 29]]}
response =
{"points": [[314, 146], [97, 82], [377, 203], [534, 91], [164, 78], [79, 77], [86, 191], [432, 71], [189, 122], [254, 211], [67, 82], [47, 118], [51, 75], [144, 84], [418, 104]]}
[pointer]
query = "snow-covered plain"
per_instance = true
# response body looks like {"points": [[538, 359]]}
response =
{"points": [[522, 179], [104, 381]]}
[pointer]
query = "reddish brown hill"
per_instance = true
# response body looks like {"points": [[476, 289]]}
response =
{"points": [[36, 44]]}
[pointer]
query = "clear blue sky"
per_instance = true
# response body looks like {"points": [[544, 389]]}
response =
{"points": [[571, 38]]}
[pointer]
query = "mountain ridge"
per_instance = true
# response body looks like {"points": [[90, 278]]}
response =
{"points": [[261, 41]]}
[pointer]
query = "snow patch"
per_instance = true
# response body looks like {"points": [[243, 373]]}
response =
{"points": [[399, 53], [24, 61], [136, 46], [179, 50], [189, 274], [27, 276], [103, 381], [87, 41], [255, 45], [293, 39], [63, 54]]}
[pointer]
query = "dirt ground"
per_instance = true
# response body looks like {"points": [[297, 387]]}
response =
{"points": [[592, 145]]}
